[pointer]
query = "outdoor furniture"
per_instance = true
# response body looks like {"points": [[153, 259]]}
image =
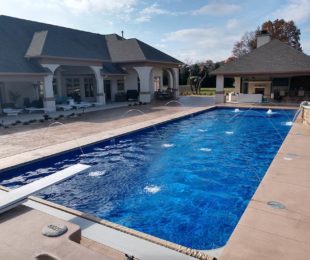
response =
{"points": [[120, 97], [132, 94], [63, 107], [35, 109], [163, 95], [79, 105], [12, 111]]}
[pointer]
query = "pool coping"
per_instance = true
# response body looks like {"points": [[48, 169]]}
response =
{"points": [[93, 139]]}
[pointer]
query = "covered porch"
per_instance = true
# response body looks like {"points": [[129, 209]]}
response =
{"points": [[66, 87], [273, 72], [273, 88]]}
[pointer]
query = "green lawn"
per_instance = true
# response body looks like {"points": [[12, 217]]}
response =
{"points": [[211, 91]]}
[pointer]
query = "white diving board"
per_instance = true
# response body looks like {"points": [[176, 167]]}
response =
{"points": [[17, 196]]}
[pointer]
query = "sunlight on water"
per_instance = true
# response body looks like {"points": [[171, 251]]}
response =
{"points": [[167, 145], [97, 173], [205, 149], [152, 189], [202, 130], [289, 123], [229, 132]]}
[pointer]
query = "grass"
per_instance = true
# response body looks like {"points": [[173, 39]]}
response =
{"points": [[208, 91]]}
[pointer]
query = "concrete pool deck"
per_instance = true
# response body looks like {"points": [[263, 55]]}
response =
{"points": [[264, 232], [280, 227]]}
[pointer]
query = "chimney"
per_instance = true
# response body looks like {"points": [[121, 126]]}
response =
{"points": [[122, 34], [262, 38]]}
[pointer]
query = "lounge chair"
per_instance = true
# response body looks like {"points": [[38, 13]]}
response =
{"points": [[63, 107], [12, 111], [80, 105], [35, 109]]}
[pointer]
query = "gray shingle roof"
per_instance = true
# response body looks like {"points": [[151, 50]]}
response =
{"points": [[22, 40], [274, 57], [109, 68], [131, 50]]}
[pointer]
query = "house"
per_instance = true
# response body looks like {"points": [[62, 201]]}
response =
{"points": [[43, 62], [274, 70]]}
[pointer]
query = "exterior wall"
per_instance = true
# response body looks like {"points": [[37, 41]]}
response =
{"points": [[24, 89], [260, 84], [131, 79]]}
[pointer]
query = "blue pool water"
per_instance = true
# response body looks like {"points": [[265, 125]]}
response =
{"points": [[188, 182]]}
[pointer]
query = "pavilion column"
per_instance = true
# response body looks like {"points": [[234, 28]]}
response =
{"points": [[48, 92], [100, 95], [219, 93], [237, 84], [145, 83], [176, 87]]}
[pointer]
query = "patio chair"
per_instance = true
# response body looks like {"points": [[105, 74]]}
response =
{"points": [[63, 107], [132, 94], [79, 105], [12, 111]]}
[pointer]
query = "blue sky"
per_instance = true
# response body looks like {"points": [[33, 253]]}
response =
{"points": [[191, 30]]}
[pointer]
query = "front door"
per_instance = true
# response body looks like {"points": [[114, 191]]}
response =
{"points": [[73, 88], [107, 90]]}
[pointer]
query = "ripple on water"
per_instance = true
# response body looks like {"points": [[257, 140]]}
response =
{"points": [[167, 145], [205, 149], [152, 189], [96, 173], [229, 132]]}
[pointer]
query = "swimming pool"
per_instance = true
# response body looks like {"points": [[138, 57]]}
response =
{"points": [[187, 181]]}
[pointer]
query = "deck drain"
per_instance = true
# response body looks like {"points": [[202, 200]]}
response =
{"points": [[54, 230], [276, 205]]}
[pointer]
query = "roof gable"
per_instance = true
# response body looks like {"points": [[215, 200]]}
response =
{"points": [[274, 57], [131, 50]]}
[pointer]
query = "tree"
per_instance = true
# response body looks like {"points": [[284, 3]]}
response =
{"points": [[278, 29]]}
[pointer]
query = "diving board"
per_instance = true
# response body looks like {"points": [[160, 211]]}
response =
{"points": [[17, 196]]}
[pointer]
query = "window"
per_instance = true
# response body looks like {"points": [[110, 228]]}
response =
{"points": [[120, 85], [41, 89], [73, 88], [156, 83], [89, 87]]}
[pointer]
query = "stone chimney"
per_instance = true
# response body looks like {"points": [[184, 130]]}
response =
{"points": [[262, 38]]}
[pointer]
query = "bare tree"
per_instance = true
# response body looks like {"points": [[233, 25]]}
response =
{"points": [[278, 29]]}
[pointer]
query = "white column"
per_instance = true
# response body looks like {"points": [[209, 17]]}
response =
{"points": [[220, 95], [237, 84], [100, 96], [145, 83], [176, 86], [48, 92]]}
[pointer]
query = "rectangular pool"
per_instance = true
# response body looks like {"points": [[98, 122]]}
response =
{"points": [[187, 181]]}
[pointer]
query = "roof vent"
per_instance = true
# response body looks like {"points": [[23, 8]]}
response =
{"points": [[262, 38]]}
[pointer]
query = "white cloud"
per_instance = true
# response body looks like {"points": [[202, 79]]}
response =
{"points": [[217, 9], [96, 6], [147, 13], [201, 43], [232, 24], [296, 10]]}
